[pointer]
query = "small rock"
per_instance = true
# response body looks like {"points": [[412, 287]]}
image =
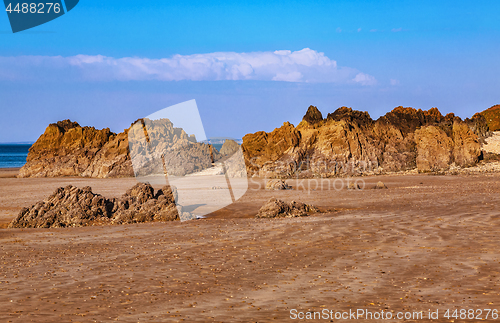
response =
{"points": [[277, 184], [380, 186], [275, 208], [353, 186]]}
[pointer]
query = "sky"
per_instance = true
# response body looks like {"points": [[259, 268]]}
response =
{"points": [[250, 65]]}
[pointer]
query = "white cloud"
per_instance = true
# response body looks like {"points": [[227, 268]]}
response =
{"points": [[365, 79], [305, 65]]}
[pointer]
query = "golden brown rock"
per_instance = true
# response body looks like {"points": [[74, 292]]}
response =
{"points": [[492, 117], [275, 208], [349, 142], [67, 149]]}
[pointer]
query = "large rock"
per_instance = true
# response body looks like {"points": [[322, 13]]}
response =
{"points": [[74, 207], [67, 149], [466, 146], [434, 149], [229, 147], [262, 147], [349, 142]]}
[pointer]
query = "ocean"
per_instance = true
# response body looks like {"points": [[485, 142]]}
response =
{"points": [[13, 156], [217, 146]]}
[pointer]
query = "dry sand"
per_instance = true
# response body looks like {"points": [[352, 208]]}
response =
{"points": [[427, 242]]}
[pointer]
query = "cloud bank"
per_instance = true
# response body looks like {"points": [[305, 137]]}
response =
{"points": [[305, 65]]}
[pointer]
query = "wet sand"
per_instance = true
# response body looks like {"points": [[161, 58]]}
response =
{"points": [[427, 242]]}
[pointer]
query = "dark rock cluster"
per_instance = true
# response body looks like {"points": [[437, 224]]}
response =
{"points": [[71, 206]]}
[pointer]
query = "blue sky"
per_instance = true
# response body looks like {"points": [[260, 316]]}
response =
{"points": [[372, 56]]}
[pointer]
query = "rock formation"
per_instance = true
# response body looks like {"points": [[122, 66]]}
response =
{"points": [[275, 208], [313, 115], [277, 184], [157, 147], [345, 143], [492, 116], [349, 142], [380, 186], [229, 147], [67, 149], [74, 207]]}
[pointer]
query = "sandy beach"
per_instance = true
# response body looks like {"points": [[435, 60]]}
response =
{"points": [[427, 242]]}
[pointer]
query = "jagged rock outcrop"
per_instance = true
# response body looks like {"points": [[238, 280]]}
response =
{"points": [[275, 208], [67, 149], [74, 207], [262, 147], [492, 117], [349, 142], [313, 115], [157, 147], [229, 147], [346, 142]]}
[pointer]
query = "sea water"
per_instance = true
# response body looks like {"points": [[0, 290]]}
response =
{"points": [[13, 156], [217, 146]]}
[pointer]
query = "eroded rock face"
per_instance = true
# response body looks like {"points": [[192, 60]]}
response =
{"points": [[313, 115], [167, 149], [67, 149], [345, 143], [275, 208], [434, 149], [262, 147], [74, 207], [492, 117], [349, 142], [229, 147]]}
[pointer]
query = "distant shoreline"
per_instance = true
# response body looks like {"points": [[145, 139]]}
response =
{"points": [[18, 143]]}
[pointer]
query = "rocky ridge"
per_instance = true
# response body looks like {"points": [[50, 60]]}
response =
{"points": [[345, 143], [349, 142], [67, 149]]}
